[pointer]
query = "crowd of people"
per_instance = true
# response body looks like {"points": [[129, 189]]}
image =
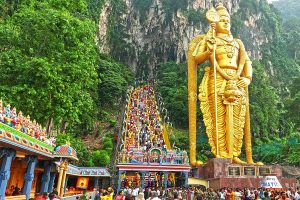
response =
{"points": [[143, 129], [54, 196], [178, 193], [196, 193], [21, 123]]}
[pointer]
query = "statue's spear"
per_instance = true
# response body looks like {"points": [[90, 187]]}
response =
{"points": [[213, 18]]}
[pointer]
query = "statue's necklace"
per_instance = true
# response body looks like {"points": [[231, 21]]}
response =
{"points": [[228, 45], [227, 38], [229, 50]]}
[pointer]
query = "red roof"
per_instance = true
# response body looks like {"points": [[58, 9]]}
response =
{"points": [[65, 151]]}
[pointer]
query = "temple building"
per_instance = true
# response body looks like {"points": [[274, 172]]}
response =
{"points": [[31, 164], [146, 158]]}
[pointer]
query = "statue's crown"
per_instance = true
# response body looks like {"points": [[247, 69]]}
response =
{"points": [[222, 11]]}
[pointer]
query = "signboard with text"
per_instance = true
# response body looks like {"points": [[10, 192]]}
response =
{"points": [[270, 182]]}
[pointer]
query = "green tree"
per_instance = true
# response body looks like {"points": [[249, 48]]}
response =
{"points": [[48, 62], [108, 145], [114, 79], [94, 8], [293, 155], [271, 152], [179, 138], [8, 7], [293, 104], [172, 85], [263, 105], [292, 38]]}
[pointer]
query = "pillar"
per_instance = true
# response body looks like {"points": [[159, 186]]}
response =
{"points": [[96, 183], [29, 175], [186, 182], [143, 180], [46, 176], [7, 156], [63, 181], [51, 182], [66, 183], [101, 184], [166, 174], [60, 175], [160, 179], [119, 180]]}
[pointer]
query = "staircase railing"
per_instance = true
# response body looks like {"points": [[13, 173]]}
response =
{"points": [[119, 129]]}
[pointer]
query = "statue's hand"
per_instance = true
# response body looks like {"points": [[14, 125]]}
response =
{"points": [[213, 25], [210, 45], [243, 82]]}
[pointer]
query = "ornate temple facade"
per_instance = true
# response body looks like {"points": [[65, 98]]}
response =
{"points": [[31, 164]]}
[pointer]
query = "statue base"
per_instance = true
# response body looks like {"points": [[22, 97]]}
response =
{"points": [[221, 172]]}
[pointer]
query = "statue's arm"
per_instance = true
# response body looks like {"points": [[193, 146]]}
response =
{"points": [[203, 53], [245, 64], [245, 61], [247, 72]]}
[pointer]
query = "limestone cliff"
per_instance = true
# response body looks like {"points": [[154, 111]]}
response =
{"points": [[144, 33]]}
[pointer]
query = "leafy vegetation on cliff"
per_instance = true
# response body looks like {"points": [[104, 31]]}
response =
{"points": [[291, 23], [142, 6], [289, 9], [171, 7]]}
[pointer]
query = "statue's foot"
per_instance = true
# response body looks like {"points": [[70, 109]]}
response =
{"points": [[197, 163], [259, 163], [236, 160], [251, 162]]}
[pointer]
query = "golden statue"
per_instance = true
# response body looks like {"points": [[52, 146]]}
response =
{"points": [[226, 82]]}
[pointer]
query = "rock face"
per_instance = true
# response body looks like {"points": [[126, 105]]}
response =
{"points": [[160, 31]]}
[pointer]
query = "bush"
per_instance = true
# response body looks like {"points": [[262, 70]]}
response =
{"points": [[112, 122], [100, 158], [107, 144]]}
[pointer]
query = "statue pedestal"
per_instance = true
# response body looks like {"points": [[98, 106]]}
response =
{"points": [[220, 173]]}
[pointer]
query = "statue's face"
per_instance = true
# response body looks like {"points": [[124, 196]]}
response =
{"points": [[223, 26]]}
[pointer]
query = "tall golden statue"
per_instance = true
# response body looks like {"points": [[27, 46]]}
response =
{"points": [[223, 92]]}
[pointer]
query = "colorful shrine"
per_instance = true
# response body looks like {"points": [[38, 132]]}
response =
{"points": [[31, 164], [146, 158]]}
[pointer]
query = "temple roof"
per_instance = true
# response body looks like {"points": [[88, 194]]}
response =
{"points": [[86, 171], [65, 151], [13, 138]]}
